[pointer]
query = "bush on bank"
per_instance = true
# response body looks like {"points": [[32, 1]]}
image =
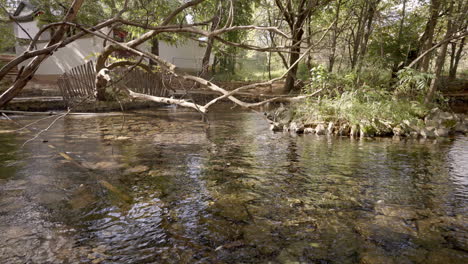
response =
{"points": [[347, 109]]}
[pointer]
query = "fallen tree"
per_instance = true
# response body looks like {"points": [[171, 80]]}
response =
{"points": [[103, 66]]}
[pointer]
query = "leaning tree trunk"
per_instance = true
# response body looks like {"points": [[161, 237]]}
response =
{"points": [[440, 60], [455, 60], [28, 72], [428, 36]]}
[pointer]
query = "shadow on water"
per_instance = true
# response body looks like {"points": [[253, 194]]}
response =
{"points": [[161, 186]]}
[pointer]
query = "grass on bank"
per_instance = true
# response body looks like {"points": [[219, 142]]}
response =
{"points": [[350, 98]]}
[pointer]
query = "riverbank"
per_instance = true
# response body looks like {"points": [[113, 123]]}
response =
{"points": [[393, 119]]}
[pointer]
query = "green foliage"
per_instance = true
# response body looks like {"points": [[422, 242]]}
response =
{"points": [[412, 83], [332, 84], [342, 100], [364, 103], [7, 38], [302, 71]]}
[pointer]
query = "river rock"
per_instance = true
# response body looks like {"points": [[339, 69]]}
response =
{"points": [[373, 258], [309, 130], [441, 132], [275, 126], [137, 169], [330, 128], [297, 127], [414, 134], [403, 212], [429, 233], [446, 255], [427, 132], [460, 128], [432, 123], [354, 132], [381, 128], [399, 131], [458, 231], [344, 130], [320, 129], [367, 129]]}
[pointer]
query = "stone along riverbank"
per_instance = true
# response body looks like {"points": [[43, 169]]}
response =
{"points": [[436, 123]]}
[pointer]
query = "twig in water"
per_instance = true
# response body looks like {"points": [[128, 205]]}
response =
{"points": [[47, 128]]}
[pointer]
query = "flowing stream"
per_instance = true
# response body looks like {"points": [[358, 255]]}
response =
{"points": [[161, 186]]}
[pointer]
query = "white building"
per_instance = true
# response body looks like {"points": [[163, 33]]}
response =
{"points": [[186, 55]]}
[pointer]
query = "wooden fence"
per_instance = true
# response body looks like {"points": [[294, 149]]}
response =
{"points": [[141, 81], [79, 82]]}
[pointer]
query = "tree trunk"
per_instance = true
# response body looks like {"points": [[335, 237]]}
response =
{"points": [[309, 42], [358, 38], [331, 58], [154, 49], [215, 62], [456, 57], [269, 65], [395, 67], [209, 47], [295, 54], [428, 36], [296, 20], [440, 59], [370, 14], [28, 72]]}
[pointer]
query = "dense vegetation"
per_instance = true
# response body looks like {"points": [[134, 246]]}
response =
{"points": [[371, 58]]}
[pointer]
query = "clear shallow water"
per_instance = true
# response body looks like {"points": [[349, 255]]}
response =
{"points": [[179, 191]]}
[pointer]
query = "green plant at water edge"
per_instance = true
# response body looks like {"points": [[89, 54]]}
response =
{"points": [[363, 103], [412, 83]]}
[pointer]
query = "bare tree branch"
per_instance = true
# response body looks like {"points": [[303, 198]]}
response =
{"points": [[49, 49], [32, 67], [460, 35]]}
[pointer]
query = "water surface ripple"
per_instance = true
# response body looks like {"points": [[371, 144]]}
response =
{"points": [[160, 186]]}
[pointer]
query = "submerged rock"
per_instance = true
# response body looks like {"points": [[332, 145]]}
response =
{"points": [[137, 169], [374, 258], [446, 255]]}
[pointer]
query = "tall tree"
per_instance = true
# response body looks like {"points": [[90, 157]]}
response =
{"points": [[439, 64], [296, 13], [428, 36], [367, 12]]}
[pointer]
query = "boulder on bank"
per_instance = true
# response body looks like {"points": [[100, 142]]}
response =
{"points": [[436, 123]]}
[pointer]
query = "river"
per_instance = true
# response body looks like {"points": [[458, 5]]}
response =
{"points": [[162, 186]]}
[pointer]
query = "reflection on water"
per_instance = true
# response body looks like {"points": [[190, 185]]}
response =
{"points": [[163, 187]]}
